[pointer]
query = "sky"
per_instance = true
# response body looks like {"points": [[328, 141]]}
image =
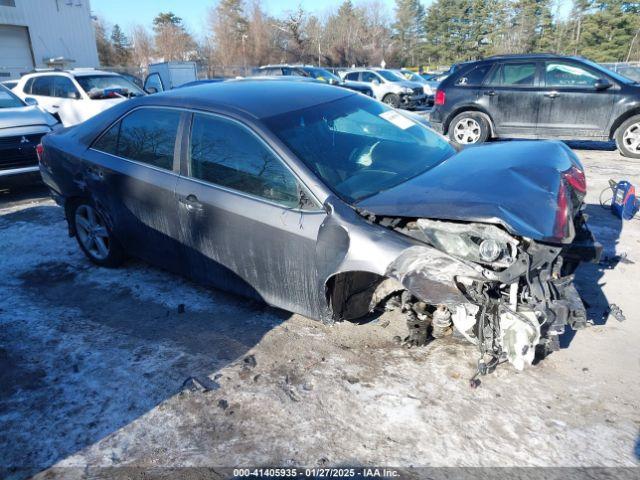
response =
{"points": [[194, 13], [126, 13]]}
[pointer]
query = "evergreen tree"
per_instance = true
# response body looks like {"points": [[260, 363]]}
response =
{"points": [[121, 46], [408, 29]]}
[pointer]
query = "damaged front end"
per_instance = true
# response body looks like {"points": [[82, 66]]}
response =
{"points": [[511, 296]]}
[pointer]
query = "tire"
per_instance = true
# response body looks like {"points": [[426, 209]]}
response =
{"points": [[94, 235], [469, 128], [391, 99], [627, 137]]}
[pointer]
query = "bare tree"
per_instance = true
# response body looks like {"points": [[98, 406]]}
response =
{"points": [[172, 41], [142, 46]]}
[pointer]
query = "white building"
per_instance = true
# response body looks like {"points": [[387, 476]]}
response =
{"points": [[45, 33]]}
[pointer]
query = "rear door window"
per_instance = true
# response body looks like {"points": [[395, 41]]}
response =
{"points": [[226, 154], [565, 74], [353, 76], [369, 77], [63, 87], [474, 77], [43, 86], [147, 135], [514, 75]]}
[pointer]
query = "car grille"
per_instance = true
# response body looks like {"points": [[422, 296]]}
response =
{"points": [[19, 151], [418, 91]]}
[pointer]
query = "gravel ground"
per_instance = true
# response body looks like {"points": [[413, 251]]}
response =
{"points": [[136, 367]]}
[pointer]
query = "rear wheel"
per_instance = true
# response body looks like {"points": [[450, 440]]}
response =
{"points": [[469, 128], [94, 236], [392, 99], [628, 137]]}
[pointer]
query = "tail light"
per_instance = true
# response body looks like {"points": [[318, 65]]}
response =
{"points": [[440, 97], [39, 151], [575, 177], [561, 228]]}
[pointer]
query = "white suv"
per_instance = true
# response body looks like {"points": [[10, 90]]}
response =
{"points": [[389, 87], [76, 95]]}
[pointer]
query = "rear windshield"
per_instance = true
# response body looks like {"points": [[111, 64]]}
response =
{"points": [[8, 99]]}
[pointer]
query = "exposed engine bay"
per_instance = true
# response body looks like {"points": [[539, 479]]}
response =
{"points": [[512, 297]]}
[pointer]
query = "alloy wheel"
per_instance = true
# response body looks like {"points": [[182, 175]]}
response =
{"points": [[467, 131], [631, 138], [92, 232]]}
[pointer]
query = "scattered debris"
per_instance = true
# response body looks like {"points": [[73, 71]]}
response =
{"points": [[616, 312], [351, 379], [223, 404], [610, 262], [200, 384], [250, 361], [290, 389]]}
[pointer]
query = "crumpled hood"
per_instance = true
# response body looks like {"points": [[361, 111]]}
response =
{"points": [[24, 117], [514, 184]]}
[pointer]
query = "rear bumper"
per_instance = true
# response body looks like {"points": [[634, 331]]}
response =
{"points": [[436, 126]]}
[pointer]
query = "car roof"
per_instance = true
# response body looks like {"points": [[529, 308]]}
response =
{"points": [[258, 98], [532, 56], [71, 73]]}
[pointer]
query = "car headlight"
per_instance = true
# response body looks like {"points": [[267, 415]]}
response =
{"points": [[480, 243], [406, 90]]}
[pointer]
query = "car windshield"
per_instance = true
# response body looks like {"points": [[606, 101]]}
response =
{"points": [[358, 146], [324, 75], [414, 77], [611, 73], [8, 99], [389, 75], [100, 87]]}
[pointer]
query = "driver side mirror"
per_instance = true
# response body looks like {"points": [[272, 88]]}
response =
{"points": [[30, 101], [602, 84]]}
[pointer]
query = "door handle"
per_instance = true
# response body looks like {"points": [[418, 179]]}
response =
{"points": [[55, 106], [552, 94], [490, 93], [191, 203]]}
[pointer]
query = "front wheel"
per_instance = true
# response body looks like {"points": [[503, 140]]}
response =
{"points": [[469, 128], [392, 100], [628, 137], [94, 236]]}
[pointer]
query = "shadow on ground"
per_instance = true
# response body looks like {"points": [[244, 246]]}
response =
{"points": [[80, 358], [606, 229]]}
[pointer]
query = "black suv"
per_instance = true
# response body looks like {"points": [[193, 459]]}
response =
{"points": [[538, 96], [317, 73]]}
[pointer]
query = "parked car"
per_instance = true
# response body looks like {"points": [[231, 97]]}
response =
{"points": [[317, 73], [9, 83], [203, 82], [539, 96], [327, 203], [427, 87], [21, 129], [73, 96], [168, 75], [389, 87]]}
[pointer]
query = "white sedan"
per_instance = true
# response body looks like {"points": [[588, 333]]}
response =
{"points": [[75, 95]]}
